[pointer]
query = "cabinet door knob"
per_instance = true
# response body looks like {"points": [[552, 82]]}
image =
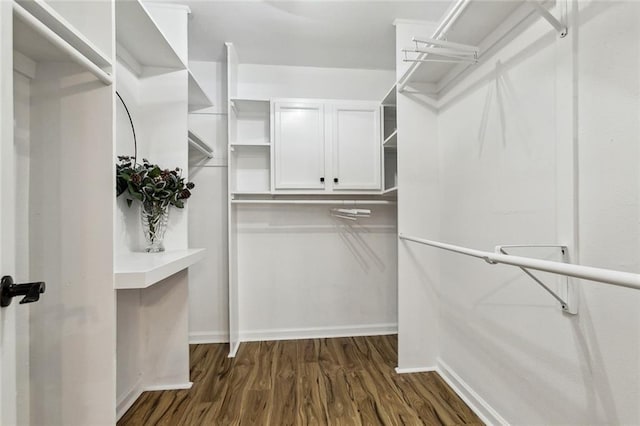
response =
{"points": [[335, 180], [322, 179]]}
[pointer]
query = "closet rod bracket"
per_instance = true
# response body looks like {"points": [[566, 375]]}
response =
{"points": [[568, 296], [555, 23]]}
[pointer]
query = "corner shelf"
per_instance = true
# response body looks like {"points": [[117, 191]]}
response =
{"points": [[390, 191], [390, 99], [142, 270], [198, 98], [140, 42], [199, 144], [240, 105], [59, 25], [392, 140]]}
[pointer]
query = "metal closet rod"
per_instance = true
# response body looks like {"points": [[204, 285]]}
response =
{"points": [[62, 44], [607, 276], [327, 202], [448, 20]]}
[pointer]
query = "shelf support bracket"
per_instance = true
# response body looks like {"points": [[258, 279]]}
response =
{"points": [[568, 299], [562, 29]]}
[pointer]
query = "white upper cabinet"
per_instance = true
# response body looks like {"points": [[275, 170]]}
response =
{"points": [[299, 145], [326, 146], [356, 147]]}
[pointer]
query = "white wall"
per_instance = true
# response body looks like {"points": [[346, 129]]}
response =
{"points": [[303, 273], [418, 280], [502, 170], [275, 81], [208, 279]]}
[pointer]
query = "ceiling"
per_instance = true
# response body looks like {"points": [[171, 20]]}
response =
{"points": [[321, 33]]}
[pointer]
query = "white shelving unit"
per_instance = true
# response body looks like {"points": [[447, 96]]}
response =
{"points": [[48, 97], [473, 23], [249, 146], [152, 289], [390, 141], [140, 42]]}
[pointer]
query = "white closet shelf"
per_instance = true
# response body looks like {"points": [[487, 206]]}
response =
{"points": [[38, 49], [477, 23], [244, 105], [198, 98], [142, 270], [140, 40], [258, 144], [199, 144], [256, 192], [390, 98], [392, 140]]}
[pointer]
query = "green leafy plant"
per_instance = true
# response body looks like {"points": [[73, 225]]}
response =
{"points": [[150, 184]]}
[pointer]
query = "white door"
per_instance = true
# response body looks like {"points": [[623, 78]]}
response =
{"points": [[356, 147], [8, 383], [299, 138]]}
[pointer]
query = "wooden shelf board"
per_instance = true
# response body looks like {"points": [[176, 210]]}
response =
{"points": [[142, 270], [140, 36]]}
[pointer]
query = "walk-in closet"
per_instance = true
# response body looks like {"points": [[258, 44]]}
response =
{"points": [[311, 212]]}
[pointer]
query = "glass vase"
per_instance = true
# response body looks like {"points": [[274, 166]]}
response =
{"points": [[154, 224]]}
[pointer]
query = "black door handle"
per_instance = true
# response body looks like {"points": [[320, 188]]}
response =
{"points": [[335, 180], [9, 290], [322, 179]]}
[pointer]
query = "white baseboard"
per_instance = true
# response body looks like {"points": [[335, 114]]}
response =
{"points": [[415, 370], [318, 332], [233, 349], [479, 406], [125, 401], [204, 337], [169, 386]]}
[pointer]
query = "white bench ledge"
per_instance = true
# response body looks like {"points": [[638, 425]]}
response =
{"points": [[142, 270]]}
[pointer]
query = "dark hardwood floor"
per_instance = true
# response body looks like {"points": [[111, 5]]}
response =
{"points": [[343, 381]]}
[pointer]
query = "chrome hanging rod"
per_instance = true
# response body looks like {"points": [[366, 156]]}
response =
{"points": [[62, 44]]}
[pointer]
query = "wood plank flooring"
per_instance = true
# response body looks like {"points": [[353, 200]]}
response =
{"points": [[342, 381]]}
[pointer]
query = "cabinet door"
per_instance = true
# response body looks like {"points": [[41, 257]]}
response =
{"points": [[299, 145], [356, 147]]}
